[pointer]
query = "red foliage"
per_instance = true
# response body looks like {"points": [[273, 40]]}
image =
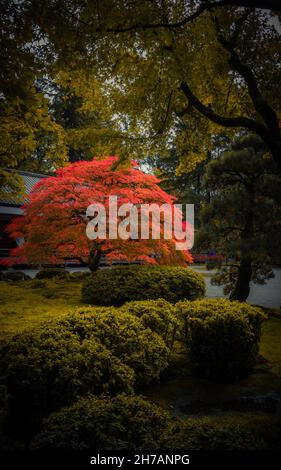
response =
{"points": [[54, 223]]}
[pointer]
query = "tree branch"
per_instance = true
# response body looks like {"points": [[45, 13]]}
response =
{"points": [[202, 7], [218, 119], [273, 5], [162, 128], [260, 104], [236, 122]]}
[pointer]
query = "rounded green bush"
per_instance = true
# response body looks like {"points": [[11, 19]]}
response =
{"points": [[124, 422], [130, 422], [93, 350], [14, 276], [158, 315], [125, 335], [122, 284], [211, 264], [48, 273], [49, 367], [254, 432], [222, 336]]}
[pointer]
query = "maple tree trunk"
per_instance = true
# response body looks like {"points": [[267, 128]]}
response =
{"points": [[94, 259]]}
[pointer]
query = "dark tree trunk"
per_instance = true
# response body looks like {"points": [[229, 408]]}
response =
{"points": [[242, 286], [94, 259]]}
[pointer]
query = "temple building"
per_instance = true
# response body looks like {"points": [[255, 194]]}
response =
{"points": [[10, 208]]}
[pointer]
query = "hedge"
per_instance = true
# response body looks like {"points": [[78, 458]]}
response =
{"points": [[125, 336], [49, 273], [14, 276], [158, 315], [239, 433], [133, 423], [122, 284], [49, 368], [124, 422], [90, 351], [222, 337]]}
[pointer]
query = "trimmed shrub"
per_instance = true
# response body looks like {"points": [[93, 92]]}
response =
{"points": [[130, 422], [124, 422], [158, 315], [14, 276], [49, 367], [211, 264], [225, 433], [48, 273], [222, 337], [125, 336], [95, 350], [122, 284]]}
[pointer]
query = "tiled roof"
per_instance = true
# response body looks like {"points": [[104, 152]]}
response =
{"points": [[29, 179]]}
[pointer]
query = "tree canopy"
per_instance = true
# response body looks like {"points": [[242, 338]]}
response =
{"points": [[153, 74], [54, 221]]}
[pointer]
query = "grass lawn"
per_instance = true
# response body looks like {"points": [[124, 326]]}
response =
{"points": [[27, 304], [270, 347]]}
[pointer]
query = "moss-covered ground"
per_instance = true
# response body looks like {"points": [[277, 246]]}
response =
{"points": [[26, 304]]}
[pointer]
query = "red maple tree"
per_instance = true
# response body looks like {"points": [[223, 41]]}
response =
{"points": [[54, 222]]}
